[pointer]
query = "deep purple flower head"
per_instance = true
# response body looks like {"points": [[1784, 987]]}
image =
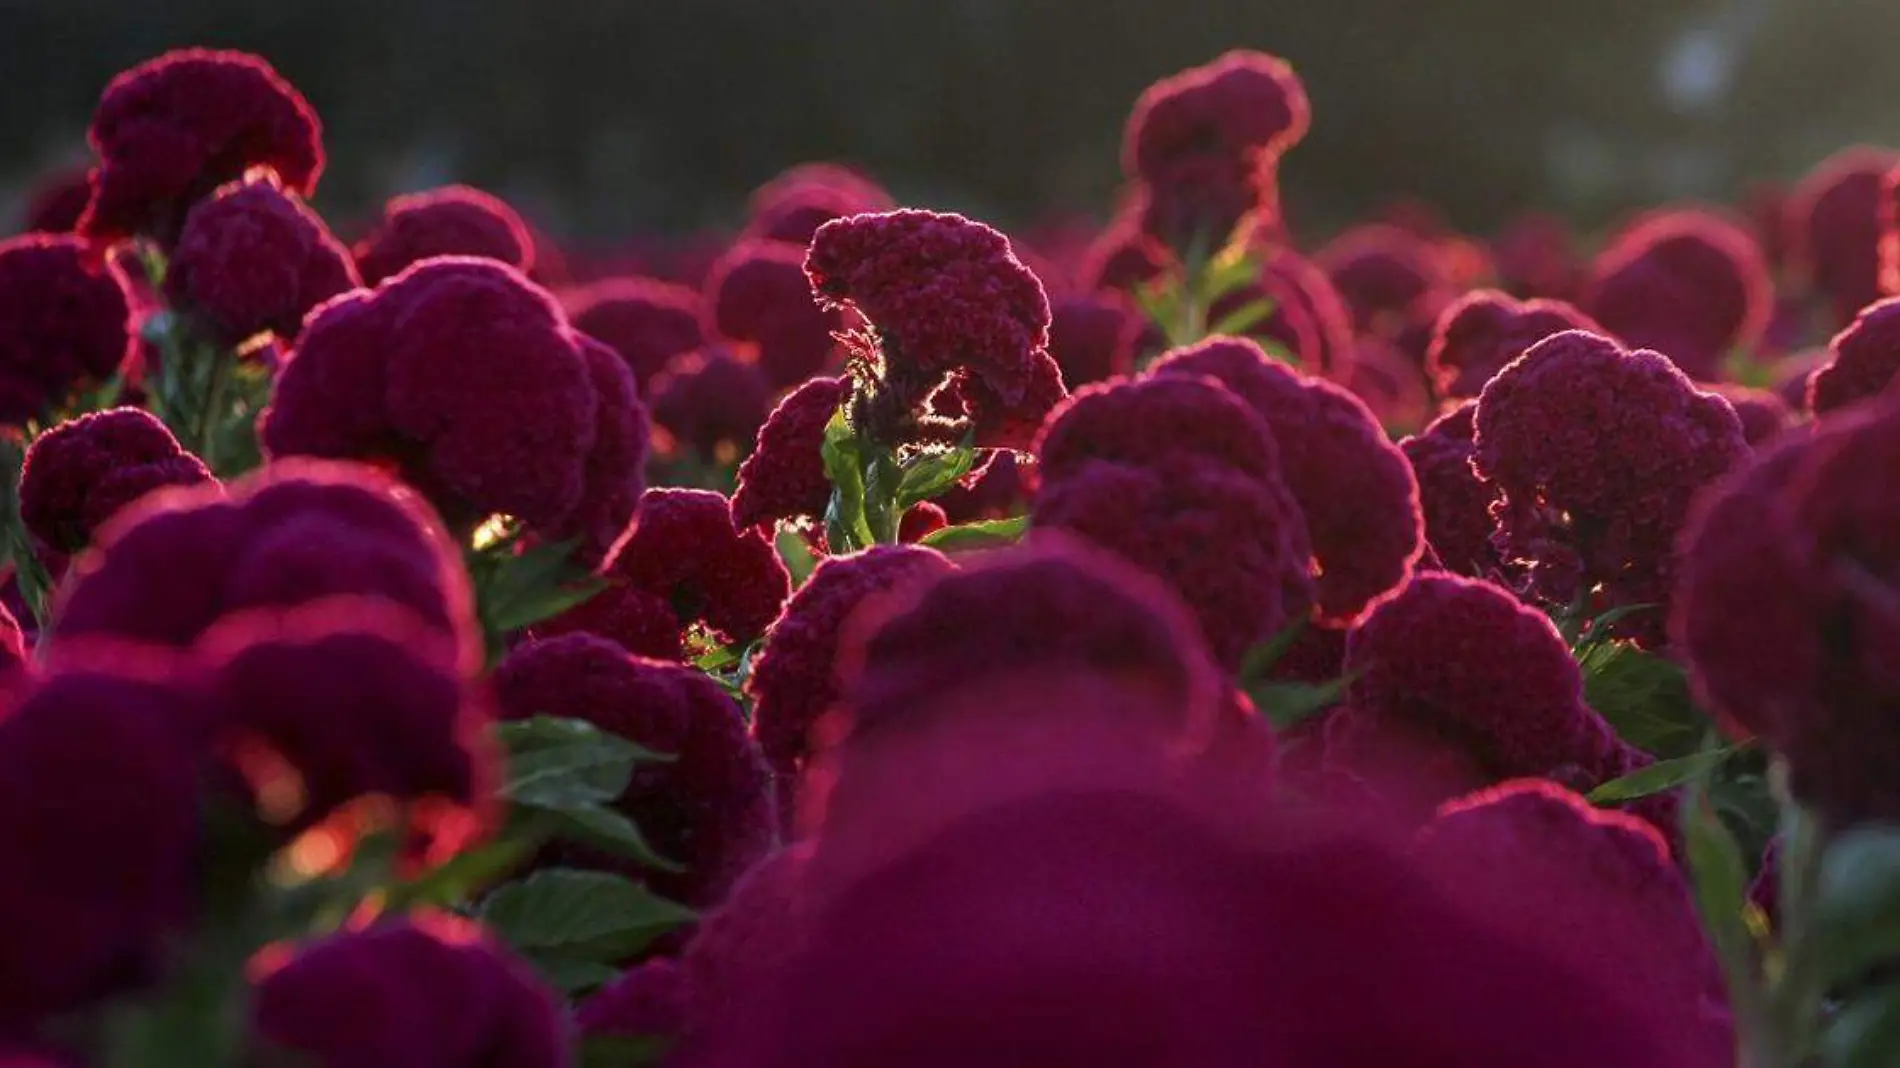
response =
{"points": [[253, 257], [791, 207], [993, 422], [920, 521], [65, 320], [784, 478], [12, 641], [1834, 219], [1786, 609], [1308, 320], [172, 129], [739, 946], [712, 402], [1455, 502], [1585, 885], [1205, 145], [1687, 283], [1094, 337], [1354, 487], [1388, 380], [168, 568], [1535, 255], [1389, 278], [99, 823], [998, 489], [467, 376], [1122, 257], [1456, 686], [409, 994], [1142, 420], [1596, 452], [711, 808], [647, 1001], [454, 220], [758, 299], [794, 681], [56, 201], [1761, 413], [1863, 360], [1481, 332], [80, 473], [647, 321]]}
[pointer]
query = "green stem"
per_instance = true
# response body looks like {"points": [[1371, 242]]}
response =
{"points": [[208, 423]]}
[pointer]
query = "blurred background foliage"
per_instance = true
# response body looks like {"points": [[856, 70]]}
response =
{"points": [[603, 117]]}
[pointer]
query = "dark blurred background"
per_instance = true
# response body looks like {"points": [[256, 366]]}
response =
{"points": [[603, 117]]}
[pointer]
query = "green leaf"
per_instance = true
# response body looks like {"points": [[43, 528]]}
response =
{"points": [[1243, 318], [517, 590], [572, 977], [1720, 883], [847, 526], [1644, 697], [1662, 776], [580, 915], [1261, 658], [1865, 1032], [981, 534], [550, 732], [716, 658], [1287, 704], [569, 776], [800, 561], [931, 474], [1225, 275], [607, 831], [619, 1051], [1161, 302], [460, 879], [1598, 630], [1854, 924]]}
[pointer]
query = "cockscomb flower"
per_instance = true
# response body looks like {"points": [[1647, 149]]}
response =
{"points": [[104, 752], [1093, 338], [1512, 708], [1689, 284], [1761, 413], [1585, 885], [1455, 502], [758, 299], [942, 294], [1308, 319], [410, 993], [1535, 255], [992, 422], [81, 472], [1484, 330], [1863, 359], [648, 1001], [344, 698], [712, 402], [172, 129], [1205, 143], [65, 320], [1786, 611], [998, 489], [1387, 380], [794, 682], [1835, 223], [920, 521], [56, 201], [1122, 257], [253, 257], [738, 948], [1354, 487], [647, 321], [467, 376], [1596, 453], [710, 808], [791, 207], [784, 477], [168, 568], [1143, 420], [1388, 277], [451, 221]]}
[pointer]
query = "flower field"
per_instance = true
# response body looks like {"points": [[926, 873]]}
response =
{"points": [[882, 642]]}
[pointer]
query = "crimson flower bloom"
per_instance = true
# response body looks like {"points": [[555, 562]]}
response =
{"points": [[254, 257], [452, 221]]}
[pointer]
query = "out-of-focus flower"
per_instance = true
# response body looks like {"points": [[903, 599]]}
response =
{"points": [[451, 221], [253, 257], [1094, 337], [65, 320], [1455, 502], [1390, 279], [56, 201], [758, 299], [791, 207], [80, 473], [711, 402], [1834, 222], [1761, 413], [1307, 319], [646, 321], [784, 477], [1484, 330], [1122, 257], [172, 129], [737, 948], [1536, 256], [999, 489], [1863, 359], [1687, 283], [649, 1001]]}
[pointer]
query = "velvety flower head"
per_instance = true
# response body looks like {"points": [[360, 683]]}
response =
{"points": [[1388, 277], [1144, 419], [647, 321], [168, 568], [56, 201], [1484, 330], [81, 472], [1687, 283], [451, 221], [1596, 453], [758, 299], [1122, 256], [784, 478], [172, 129], [1863, 359], [65, 320], [1535, 255], [647, 1001], [1456, 503], [740, 945], [1205, 143], [791, 207], [1354, 487], [1387, 380], [1456, 685], [344, 698], [712, 399], [991, 421], [1308, 320], [100, 825], [1586, 885], [1835, 223], [942, 294], [920, 521], [711, 808], [1761, 413], [1094, 337], [467, 376], [253, 257], [404, 994], [794, 681], [1785, 610]]}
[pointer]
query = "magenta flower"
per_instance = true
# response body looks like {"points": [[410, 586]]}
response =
{"points": [[758, 299], [784, 477], [648, 322], [685, 551], [791, 207], [1689, 284], [712, 402], [65, 321], [1094, 337], [1456, 503], [1484, 330], [1835, 219], [1390, 278], [454, 220], [1862, 362], [80, 473]]}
